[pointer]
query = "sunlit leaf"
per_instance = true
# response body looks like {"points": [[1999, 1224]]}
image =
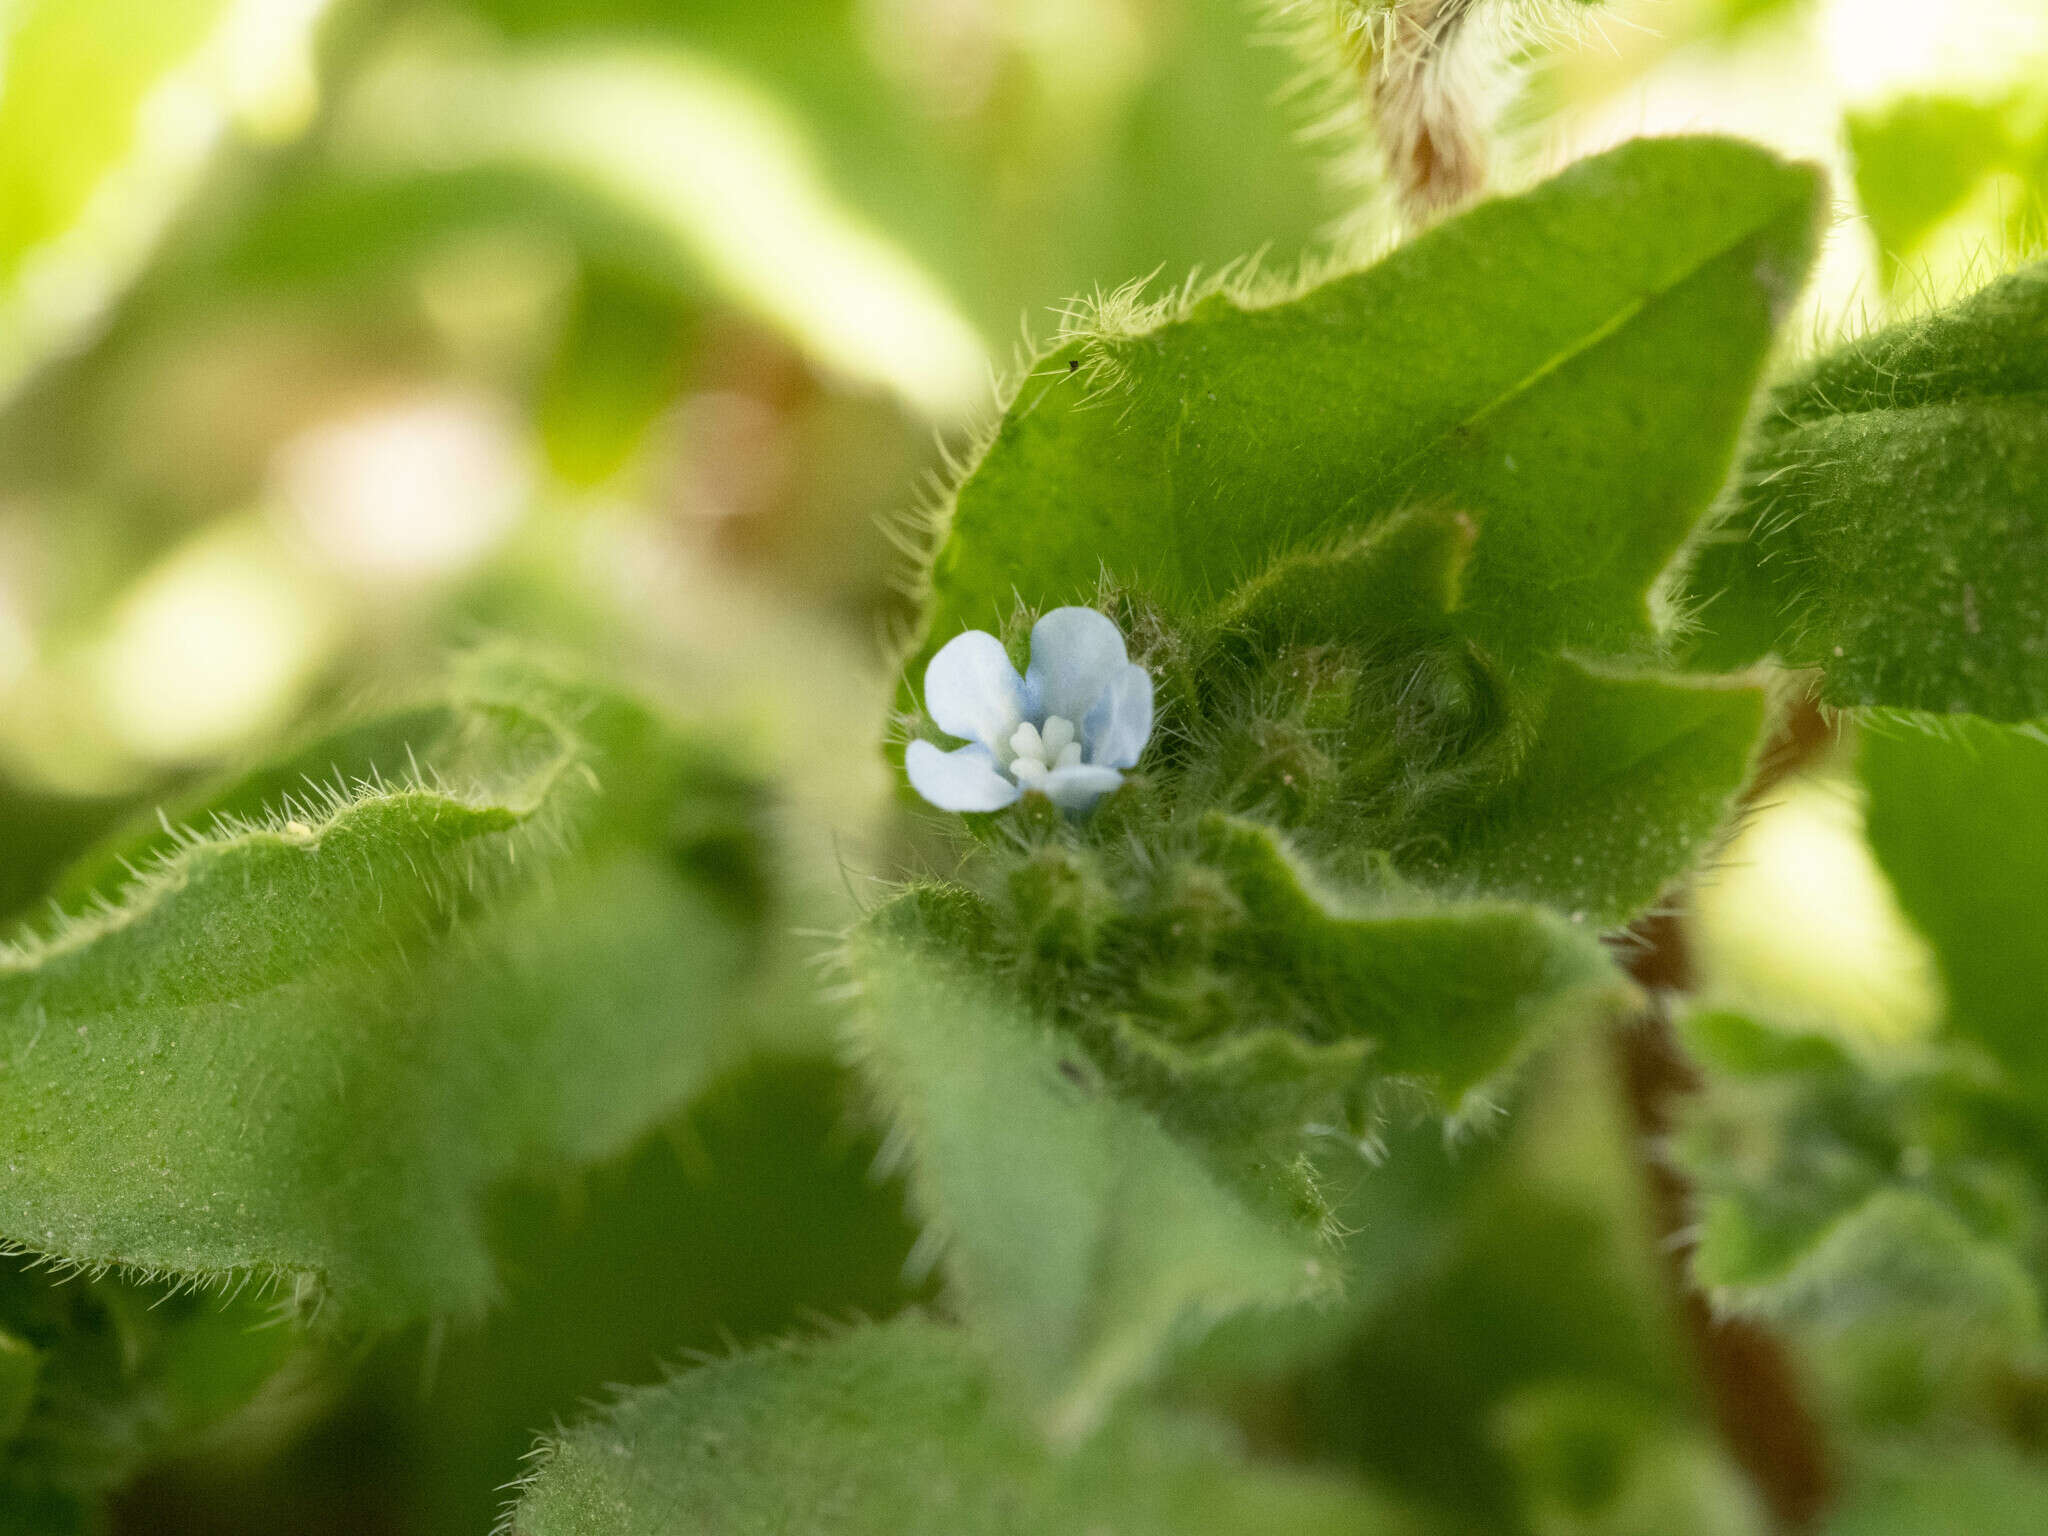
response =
{"points": [[1514, 363], [108, 115], [1955, 820]]}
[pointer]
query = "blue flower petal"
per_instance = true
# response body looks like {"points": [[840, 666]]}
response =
{"points": [[1079, 787], [963, 780], [1075, 652], [1120, 722], [971, 689]]}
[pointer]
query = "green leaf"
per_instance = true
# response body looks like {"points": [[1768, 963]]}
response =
{"points": [[1956, 822], [1893, 523], [1981, 1489], [19, 1365], [100, 1377], [300, 1048], [1625, 788], [1448, 995], [1917, 161], [1594, 1461], [1521, 363], [894, 1431], [814, 165], [1527, 1288], [752, 1214], [1165, 1110], [1021, 164], [1880, 1216], [1080, 1238], [1787, 1137], [108, 113]]}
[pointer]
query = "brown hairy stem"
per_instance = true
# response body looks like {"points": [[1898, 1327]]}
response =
{"points": [[1427, 104], [1752, 1385]]}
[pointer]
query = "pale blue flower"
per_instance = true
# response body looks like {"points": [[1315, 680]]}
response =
{"points": [[1066, 729]]}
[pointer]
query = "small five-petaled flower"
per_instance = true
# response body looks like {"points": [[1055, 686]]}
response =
{"points": [[1066, 729]]}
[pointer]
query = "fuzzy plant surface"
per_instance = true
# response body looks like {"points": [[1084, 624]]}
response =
{"points": [[1230, 1040]]}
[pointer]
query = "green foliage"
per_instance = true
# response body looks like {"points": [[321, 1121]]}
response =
{"points": [[1021, 163], [896, 1430], [1279, 1144], [302, 1043], [1513, 1356], [1955, 819], [1513, 363], [1629, 780], [76, 79], [1119, 1244], [1889, 1221], [1979, 1490], [1922, 159], [1891, 516], [99, 1375]]}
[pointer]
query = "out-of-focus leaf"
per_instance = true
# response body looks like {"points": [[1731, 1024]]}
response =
{"points": [[1594, 1461], [620, 363], [1119, 1244], [304, 1042], [1918, 161], [1508, 1313], [1985, 1491], [108, 114], [1881, 1218], [99, 1376], [1515, 363], [895, 1431], [1893, 523], [1956, 822], [754, 1213], [704, 172], [1024, 153], [41, 833]]}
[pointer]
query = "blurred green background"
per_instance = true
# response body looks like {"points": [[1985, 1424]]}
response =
{"points": [[335, 334]]}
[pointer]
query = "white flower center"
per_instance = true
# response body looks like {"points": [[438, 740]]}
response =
{"points": [[1039, 749]]}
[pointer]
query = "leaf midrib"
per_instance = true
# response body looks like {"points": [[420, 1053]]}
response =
{"points": [[1583, 345]]}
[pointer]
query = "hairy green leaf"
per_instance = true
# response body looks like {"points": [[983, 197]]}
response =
{"points": [[1893, 524], [1080, 1238], [1516, 363], [1627, 784], [1449, 995], [300, 1046], [895, 1431]]}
